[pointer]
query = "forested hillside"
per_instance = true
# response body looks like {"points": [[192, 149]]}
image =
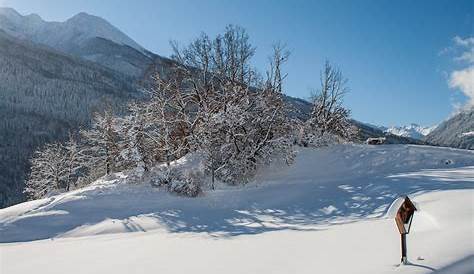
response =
{"points": [[458, 131], [43, 95]]}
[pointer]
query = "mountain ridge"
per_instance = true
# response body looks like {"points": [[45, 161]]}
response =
{"points": [[81, 26], [83, 35]]}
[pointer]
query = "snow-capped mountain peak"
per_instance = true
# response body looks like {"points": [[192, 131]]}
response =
{"points": [[8, 12], [413, 131], [74, 32]]}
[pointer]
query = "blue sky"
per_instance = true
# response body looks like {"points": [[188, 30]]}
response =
{"points": [[399, 56]]}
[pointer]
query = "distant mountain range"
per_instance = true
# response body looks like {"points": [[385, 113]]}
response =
{"points": [[413, 131], [369, 131]]}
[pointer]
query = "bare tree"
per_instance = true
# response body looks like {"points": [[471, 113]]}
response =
{"points": [[103, 144], [238, 119], [137, 133], [329, 114], [74, 162], [48, 171]]}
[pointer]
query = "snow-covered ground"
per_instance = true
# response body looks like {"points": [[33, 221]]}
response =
{"points": [[330, 212]]}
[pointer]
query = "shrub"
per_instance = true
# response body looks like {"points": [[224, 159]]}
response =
{"points": [[189, 185]]}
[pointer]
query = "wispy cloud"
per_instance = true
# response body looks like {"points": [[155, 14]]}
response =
{"points": [[463, 79]]}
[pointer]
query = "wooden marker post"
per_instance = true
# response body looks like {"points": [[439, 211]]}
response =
{"points": [[403, 220]]}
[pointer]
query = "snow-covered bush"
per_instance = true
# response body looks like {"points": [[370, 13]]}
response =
{"points": [[165, 176], [189, 185], [313, 137]]}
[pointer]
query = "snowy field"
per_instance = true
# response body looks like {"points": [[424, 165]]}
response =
{"points": [[330, 212]]}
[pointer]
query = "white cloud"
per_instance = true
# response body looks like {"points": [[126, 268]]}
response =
{"points": [[467, 42], [463, 79]]}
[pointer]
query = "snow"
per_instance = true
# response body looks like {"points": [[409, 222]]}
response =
{"points": [[466, 134], [413, 131], [330, 212], [76, 30]]}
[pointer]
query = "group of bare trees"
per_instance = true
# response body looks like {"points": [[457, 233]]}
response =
{"points": [[211, 102], [55, 167]]}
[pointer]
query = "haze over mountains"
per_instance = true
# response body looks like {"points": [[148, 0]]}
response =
{"points": [[53, 75]]}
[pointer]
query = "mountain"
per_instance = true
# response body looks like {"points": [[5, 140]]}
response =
{"points": [[84, 35], [370, 131], [458, 131], [414, 131], [44, 94], [62, 35]]}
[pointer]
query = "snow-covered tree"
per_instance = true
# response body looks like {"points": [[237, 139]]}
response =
{"points": [[55, 167], [169, 114], [136, 131], [103, 143], [237, 121], [74, 162], [48, 171]]}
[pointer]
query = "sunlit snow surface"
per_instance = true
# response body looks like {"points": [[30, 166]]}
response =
{"points": [[330, 212]]}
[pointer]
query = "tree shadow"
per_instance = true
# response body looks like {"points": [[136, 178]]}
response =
{"points": [[421, 266], [304, 206], [463, 266]]}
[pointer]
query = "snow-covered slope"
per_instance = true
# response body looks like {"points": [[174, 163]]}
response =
{"points": [[329, 212]]}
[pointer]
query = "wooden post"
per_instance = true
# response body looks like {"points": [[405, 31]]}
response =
{"points": [[404, 248], [403, 220]]}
